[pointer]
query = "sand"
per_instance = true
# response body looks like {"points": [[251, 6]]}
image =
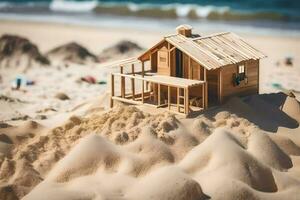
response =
{"points": [[78, 148]]}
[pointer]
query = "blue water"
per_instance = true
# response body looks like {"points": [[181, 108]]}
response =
{"points": [[270, 14], [288, 10]]}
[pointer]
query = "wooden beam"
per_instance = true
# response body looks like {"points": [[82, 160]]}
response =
{"points": [[158, 88], [203, 96], [190, 74], [178, 100], [132, 82], [187, 103], [220, 86], [112, 93], [122, 82], [206, 95], [143, 69], [206, 88], [142, 91], [169, 97]]}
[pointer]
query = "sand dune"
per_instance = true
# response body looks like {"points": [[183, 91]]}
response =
{"points": [[128, 154]]}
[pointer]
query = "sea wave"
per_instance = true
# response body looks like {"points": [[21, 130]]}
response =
{"points": [[152, 10], [190, 11], [73, 6]]}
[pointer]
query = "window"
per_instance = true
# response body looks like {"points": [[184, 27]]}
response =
{"points": [[240, 75], [241, 72]]}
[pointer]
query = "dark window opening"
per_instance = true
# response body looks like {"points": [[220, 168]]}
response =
{"points": [[179, 69]]}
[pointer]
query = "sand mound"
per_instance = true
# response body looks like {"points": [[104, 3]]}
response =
{"points": [[126, 153], [286, 144], [19, 52], [93, 152], [176, 185], [264, 149], [62, 96], [121, 49], [72, 53]]}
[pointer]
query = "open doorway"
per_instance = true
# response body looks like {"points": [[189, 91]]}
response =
{"points": [[179, 64]]}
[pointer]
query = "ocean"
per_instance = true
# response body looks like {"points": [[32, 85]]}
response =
{"points": [[282, 16]]}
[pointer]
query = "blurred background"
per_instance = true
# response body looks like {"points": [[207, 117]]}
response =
{"points": [[281, 16]]}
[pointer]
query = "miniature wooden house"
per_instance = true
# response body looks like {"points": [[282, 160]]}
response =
{"points": [[188, 72]]}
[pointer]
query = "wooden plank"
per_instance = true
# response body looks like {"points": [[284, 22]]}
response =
{"points": [[158, 100], [165, 80], [206, 95], [187, 101], [132, 82], [169, 97], [178, 108], [190, 71], [143, 91], [112, 90], [221, 87], [184, 101], [122, 82], [143, 69], [126, 100], [203, 97]]}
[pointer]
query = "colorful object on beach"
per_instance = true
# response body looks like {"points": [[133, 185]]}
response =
{"points": [[89, 79], [277, 85], [289, 60], [101, 82]]}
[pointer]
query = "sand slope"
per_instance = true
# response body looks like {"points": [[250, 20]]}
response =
{"points": [[129, 154]]}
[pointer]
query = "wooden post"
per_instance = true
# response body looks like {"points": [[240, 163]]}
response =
{"points": [[203, 96], [169, 97], [112, 90], [143, 68], [190, 69], [178, 100], [220, 87], [132, 82], [206, 88], [122, 83], [142, 91], [184, 100], [187, 103], [158, 88], [155, 92]]}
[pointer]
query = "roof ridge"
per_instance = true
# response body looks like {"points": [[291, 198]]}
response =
{"points": [[211, 35]]}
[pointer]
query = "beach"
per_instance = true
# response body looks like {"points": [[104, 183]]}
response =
{"points": [[60, 140]]}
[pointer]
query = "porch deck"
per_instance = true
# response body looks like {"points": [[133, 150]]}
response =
{"points": [[147, 88]]}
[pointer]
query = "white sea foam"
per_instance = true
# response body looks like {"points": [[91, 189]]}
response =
{"points": [[73, 6]]}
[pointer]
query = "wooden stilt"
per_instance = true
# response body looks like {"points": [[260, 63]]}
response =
{"points": [[143, 69], [178, 100], [155, 92], [132, 82], [122, 83], [158, 88], [143, 91], [169, 97], [184, 100], [206, 91], [203, 96], [187, 104], [112, 90]]}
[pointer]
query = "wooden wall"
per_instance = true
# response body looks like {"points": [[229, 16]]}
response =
{"points": [[227, 87], [213, 86], [163, 67]]}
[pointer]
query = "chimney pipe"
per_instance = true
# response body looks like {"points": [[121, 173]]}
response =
{"points": [[185, 30]]}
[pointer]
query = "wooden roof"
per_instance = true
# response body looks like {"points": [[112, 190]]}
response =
{"points": [[122, 62], [215, 51]]}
